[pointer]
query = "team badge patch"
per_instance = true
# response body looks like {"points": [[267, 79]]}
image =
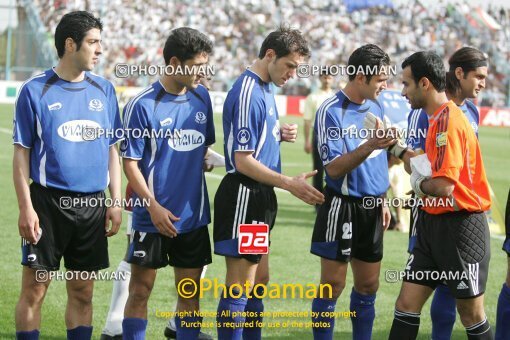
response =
{"points": [[200, 118], [243, 136], [96, 105], [324, 151], [441, 139]]}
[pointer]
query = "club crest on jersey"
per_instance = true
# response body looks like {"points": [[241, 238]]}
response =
{"points": [[200, 118], [186, 140], [441, 139], [55, 106], [243, 136], [324, 152], [96, 105]]}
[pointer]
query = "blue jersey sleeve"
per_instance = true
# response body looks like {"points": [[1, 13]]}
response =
{"points": [[417, 125], [135, 123], [329, 136], [248, 118], [24, 119], [210, 137], [116, 124]]}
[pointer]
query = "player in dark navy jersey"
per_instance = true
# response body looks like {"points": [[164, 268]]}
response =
{"points": [[464, 80], [54, 111], [356, 168], [164, 166], [252, 136]]}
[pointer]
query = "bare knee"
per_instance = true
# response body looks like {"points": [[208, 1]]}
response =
{"points": [[470, 314], [80, 292], [368, 287], [407, 304], [33, 295], [139, 292], [262, 279], [337, 287]]}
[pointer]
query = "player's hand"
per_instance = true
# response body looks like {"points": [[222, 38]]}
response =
{"points": [[113, 214], [308, 147], [207, 167], [162, 219], [299, 187], [399, 148], [386, 217], [379, 139], [28, 225], [289, 132]]}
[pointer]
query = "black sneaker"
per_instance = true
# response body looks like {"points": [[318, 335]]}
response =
{"points": [[171, 333]]}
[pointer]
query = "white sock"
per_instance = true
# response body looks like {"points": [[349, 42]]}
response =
{"points": [[120, 293]]}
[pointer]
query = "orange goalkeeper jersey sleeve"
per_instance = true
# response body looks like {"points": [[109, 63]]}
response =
{"points": [[454, 152]]}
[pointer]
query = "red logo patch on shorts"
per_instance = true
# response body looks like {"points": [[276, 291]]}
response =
{"points": [[253, 239]]}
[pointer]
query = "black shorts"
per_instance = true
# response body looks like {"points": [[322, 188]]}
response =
{"points": [[153, 250], [241, 200], [344, 229], [413, 230], [506, 244], [454, 248], [75, 232]]}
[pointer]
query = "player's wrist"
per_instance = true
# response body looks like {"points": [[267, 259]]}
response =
{"points": [[285, 182]]}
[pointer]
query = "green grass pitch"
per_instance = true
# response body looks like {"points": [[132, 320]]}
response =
{"points": [[290, 259]]}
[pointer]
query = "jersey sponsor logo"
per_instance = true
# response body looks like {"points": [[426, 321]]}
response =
{"points": [[324, 151], [166, 121], [73, 130], [32, 257], [186, 140], [441, 139], [55, 106], [243, 136], [333, 133], [462, 285], [253, 239], [200, 118], [139, 253], [96, 105]]}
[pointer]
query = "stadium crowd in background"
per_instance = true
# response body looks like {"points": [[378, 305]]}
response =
{"points": [[333, 33]]}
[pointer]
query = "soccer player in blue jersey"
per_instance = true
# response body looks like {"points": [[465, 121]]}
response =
{"points": [[52, 114], [347, 231], [164, 166], [503, 311], [252, 137], [464, 80]]}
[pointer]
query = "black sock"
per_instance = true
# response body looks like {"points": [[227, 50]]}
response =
{"points": [[405, 326], [480, 331]]}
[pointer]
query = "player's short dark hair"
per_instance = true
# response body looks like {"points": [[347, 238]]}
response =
{"points": [[285, 41], [367, 57], [74, 25], [467, 58], [185, 43], [429, 65]]}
